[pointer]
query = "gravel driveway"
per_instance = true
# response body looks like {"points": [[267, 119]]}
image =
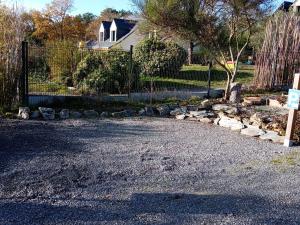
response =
{"points": [[149, 171]]}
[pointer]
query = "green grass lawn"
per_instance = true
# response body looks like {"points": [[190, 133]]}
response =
{"points": [[190, 77], [196, 76], [44, 88]]}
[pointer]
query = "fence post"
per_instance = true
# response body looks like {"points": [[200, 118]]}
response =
{"points": [[130, 72], [209, 79], [24, 75]]}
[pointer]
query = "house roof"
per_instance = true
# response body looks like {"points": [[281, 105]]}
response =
{"points": [[132, 38], [285, 6], [125, 24], [106, 24], [127, 35], [103, 44], [296, 3]]}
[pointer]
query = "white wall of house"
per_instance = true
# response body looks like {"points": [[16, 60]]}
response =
{"points": [[113, 32], [101, 33], [296, 6]]}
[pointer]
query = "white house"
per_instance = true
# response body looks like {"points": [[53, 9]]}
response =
{"points": [[120, 32], [296, 6]]}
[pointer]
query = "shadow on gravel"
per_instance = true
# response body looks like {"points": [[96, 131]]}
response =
{"points": [[170, 208], [25, 140]]}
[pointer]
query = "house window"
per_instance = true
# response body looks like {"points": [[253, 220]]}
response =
{"points": [[101, 36], [113, 36]]}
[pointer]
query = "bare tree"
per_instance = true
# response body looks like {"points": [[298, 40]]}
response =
{"points": [[12, 33], [56, 12]]}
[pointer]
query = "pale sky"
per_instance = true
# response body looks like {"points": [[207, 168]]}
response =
{"points": [[80, 6]]}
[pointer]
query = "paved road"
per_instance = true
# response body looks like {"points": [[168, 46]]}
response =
{"points": [[150, 171]]}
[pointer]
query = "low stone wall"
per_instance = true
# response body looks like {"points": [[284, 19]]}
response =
{"points": [[37, 100], [248, 120], [181, 95]]}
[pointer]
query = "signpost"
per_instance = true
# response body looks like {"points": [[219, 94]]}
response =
{"points": [[293, 104]]}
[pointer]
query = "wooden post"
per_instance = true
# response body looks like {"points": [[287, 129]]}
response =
{"points": [[292, 117]]}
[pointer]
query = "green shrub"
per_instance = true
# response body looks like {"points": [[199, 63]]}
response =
{"points": [[157, 58], [62, 58], [39, 71], [105, 72], [97, 80], [87, 66]]}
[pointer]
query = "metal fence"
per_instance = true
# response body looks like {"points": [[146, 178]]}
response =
{"points": [[67, 71], [72, 71]]}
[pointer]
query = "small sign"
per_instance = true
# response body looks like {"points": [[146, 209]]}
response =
{"points": [[294, 99]]}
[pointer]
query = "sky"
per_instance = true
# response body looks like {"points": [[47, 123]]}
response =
{"points": [[93, 6], [82, 6]]}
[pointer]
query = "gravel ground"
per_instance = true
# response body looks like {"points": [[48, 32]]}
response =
{"points": [[149, 171]]}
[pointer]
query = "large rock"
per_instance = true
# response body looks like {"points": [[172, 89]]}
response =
{"points": [[177, 111], [279, 127], [35, 114], [216, 121], [220, 107], [149, 111], [181, 117], [206, 104], [206, 120], [47, 113], [64, 114], [235, 93], [233, 124], [256, 120], [273, 102], [198, 114], [163, 110], [173, 106], [75, 114], [142, 112], [192, 108], [104, 115], [184, 109], [90, 114], [24, 113], [225, 108], [246, 121], [124, 113], [272, 136], [253, 132], [259, 119], [248, 101]]}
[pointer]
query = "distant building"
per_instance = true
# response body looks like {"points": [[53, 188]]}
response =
{"points": [[288, 6], [285, 6], [121, 33], [296, 6]]}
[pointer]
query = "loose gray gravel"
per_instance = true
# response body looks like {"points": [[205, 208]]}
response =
{"points": [[142, 171]]}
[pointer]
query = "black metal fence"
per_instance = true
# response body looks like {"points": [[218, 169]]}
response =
{"points": [[72, 71]]}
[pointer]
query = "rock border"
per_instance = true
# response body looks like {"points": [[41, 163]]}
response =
{"points": [[208, 112]]}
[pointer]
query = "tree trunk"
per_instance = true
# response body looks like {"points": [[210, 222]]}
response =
{"points": [[190, 51], [233, 77], [227, 90]]}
